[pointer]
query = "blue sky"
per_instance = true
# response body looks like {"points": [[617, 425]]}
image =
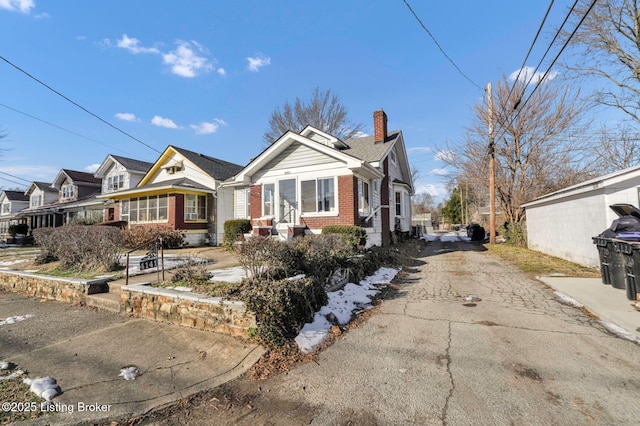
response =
{"points": [[206, 75]]}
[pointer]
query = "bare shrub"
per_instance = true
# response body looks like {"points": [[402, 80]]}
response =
{"points": [[139, 235], [82, 248]]}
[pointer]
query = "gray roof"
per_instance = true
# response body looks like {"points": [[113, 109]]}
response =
{"points": [[16, 195], [214, 167], [366, 149], [46, 187], [133, 165]]}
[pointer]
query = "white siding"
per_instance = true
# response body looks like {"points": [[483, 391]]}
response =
{"points": [[188, 170], [225, 209], [564, 227], [241, 210]]}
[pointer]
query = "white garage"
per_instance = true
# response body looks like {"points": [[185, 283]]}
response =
{"points": [[562, 223]]}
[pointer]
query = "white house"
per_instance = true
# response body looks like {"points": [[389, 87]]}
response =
{"points": [[562, 223]]}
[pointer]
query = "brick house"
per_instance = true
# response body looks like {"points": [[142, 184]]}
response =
{"points": [[308, 180], [181, 189]]}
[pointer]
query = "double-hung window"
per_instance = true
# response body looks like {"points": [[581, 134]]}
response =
{"points": [[398, 203], [67, 191], [268, 197], [195, 207], [318, 195], [364, 205]]}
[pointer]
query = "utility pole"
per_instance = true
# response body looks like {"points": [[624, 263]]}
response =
{"points": [[492, 169]]}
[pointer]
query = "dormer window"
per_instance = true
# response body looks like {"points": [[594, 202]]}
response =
{"points": [[115, 183], [36, 201], [67, 191], [6, 208]]}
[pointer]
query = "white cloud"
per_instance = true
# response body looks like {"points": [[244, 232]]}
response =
{"points": [[446, 156], [91, 168], [221, 71], [420, 149], [437, 190], [133, 45], [22, 6], [43, 15], [258, 62], [185, 60], [126, 116], [163, 122], [527, 74], [439, 172], [206, 128]]}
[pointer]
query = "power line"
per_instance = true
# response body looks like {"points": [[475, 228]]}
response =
{"points": [[78, 105], [543, 78], [12, 181], [424, 27], [60, 127], [16, 177]]}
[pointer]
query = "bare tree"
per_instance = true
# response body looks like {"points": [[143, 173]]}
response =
{"points": [[324, 112], [607, 46], [537, 146], [617, 150]]}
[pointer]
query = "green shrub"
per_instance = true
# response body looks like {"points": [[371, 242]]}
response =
{"points": [[233, 229], [82, 248], [515, 233], [283, 307], [355, 236], [137, 236]]}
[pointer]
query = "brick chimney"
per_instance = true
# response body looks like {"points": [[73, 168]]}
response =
{"points": [[379, 126]]}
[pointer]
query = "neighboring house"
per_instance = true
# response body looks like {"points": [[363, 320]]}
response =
{"points": [[181, 189], [562, 223], [117, 174], [70, 197], [40, 214], [11, 203], [304, 182]]}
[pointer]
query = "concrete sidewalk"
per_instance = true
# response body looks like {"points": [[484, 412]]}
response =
{"points": [[86, 359], [609, 304]]}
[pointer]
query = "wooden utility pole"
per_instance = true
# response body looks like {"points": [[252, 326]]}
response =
{"points": [[492, 169]]}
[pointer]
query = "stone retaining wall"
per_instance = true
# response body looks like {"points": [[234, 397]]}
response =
{"points": [[67, 290], [187, 309]]}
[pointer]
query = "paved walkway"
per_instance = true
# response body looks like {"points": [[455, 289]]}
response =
{"points": [[85, 350]]}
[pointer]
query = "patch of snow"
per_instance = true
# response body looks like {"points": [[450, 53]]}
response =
{"points": [[472, 298], [430, 237], [129, 373], [297, 277], [4, 365], [341, 305], [45, 387], [180, 288], [567, 300], [12, 376], [228, 275], [620, 332], [13, 320]]}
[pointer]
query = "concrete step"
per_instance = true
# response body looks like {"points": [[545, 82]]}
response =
{"points": [[114, 287], [106, 301]]}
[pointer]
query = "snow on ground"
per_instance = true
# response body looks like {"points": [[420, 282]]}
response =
{"points": [[563, 298], [227, 275], [341, 305], [45, 387], [13, 320], [451, 236], [619, 331], [129, 373], [170, 261], [5, 263]]}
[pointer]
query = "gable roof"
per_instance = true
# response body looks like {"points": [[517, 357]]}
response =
{"points": [[43, 186], [15, 195], [365, 148], [130, 164], [77, 177], [214, 167]]}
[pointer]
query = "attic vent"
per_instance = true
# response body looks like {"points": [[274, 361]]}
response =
{"points": [[173, 168]]}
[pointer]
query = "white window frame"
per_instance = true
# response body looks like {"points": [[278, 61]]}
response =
{"points": [[316, 197], [35, 201], [195, 209], [68, 191], [6, 208], [115, 182], [364, 210], [135, 206], [272, 201], [399, 203]]}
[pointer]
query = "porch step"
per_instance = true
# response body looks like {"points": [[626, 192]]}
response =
{"points": [[106, 301], [115, 288]]}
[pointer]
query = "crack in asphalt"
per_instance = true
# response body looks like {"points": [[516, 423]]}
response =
{"points": [[445, 408]]}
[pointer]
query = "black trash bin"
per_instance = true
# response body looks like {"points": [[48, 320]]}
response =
{"points": [[605, 258], [611, 244], [631, 254]]}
